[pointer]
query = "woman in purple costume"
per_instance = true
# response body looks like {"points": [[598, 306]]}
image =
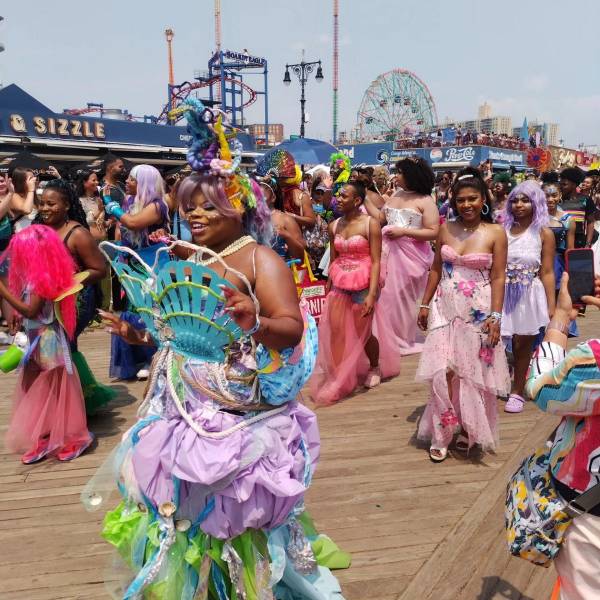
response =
{"points": [[213, 474]]}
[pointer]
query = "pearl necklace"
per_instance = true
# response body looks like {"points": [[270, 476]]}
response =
{"points": [[228, 251]]}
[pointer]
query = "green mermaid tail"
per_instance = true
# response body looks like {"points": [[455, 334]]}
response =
{"points": [[95, 394]]}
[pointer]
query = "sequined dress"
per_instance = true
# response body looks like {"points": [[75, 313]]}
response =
{"points": [[455, 343], [405, 268]]}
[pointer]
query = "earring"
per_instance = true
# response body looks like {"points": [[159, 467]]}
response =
{"points": [[485, 210]]}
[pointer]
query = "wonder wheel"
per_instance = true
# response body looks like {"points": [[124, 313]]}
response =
{"points": [[397, 103]]}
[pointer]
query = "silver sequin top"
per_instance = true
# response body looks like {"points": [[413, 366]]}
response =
{"points": [[409, 218]]}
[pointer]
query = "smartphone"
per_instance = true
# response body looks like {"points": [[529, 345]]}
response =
{"points": [[579, 264]]}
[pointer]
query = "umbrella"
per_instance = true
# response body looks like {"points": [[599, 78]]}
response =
{"points": [[24, 159], [305, 151]]}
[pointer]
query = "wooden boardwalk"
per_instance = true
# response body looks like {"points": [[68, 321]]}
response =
{"points": [[416, 530]]}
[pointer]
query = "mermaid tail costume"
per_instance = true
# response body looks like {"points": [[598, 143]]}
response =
{"points": [[213, 475]]}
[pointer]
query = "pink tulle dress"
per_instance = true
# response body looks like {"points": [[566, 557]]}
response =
{"points": [[343, 331], [455, 344], [48, 404], [405, 268]]}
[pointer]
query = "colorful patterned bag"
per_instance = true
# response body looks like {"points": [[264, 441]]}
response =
{"points": [[535, 514]]}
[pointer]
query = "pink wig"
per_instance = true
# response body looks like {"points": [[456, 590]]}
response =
{"points": [[40, 262]]}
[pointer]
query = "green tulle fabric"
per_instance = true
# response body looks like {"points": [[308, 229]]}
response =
{"points": [[95, 394], [126, 527]]}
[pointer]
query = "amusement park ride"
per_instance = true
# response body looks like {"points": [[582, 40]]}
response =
{"points": [[397, 103], [224, 80]]}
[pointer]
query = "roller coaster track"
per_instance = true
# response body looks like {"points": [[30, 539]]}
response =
{"points": [[181, 92]]}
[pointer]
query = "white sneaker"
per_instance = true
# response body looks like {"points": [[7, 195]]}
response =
{"points": [[143, 374]]}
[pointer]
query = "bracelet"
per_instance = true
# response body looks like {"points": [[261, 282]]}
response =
{"points": [[496, 316], [559, 326], [425, 306], [254, 329]]}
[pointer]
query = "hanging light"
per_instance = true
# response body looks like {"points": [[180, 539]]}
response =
{"points": [[319, 75], [286, 78]]}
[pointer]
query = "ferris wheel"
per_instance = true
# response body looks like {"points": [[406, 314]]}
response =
{"points": [[396, 103]]}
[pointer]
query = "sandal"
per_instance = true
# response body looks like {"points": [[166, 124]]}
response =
{"points": [[514, 404], [373, 378], [462, 443], [438, 454]]}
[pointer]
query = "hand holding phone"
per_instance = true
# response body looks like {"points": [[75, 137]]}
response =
{"points": [[580, 267]]}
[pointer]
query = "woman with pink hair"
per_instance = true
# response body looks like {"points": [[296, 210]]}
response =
{"points": [[49, 410]]}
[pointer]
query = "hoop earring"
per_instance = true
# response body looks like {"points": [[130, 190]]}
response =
{"points": [[485, 212]]}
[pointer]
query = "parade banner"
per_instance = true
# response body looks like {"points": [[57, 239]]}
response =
{"points": [[562, 157]]}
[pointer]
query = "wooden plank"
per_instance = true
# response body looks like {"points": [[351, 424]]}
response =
{"points": [[416, 530]]}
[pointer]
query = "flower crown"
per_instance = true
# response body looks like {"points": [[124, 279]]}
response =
{"points": [[211, 153]]}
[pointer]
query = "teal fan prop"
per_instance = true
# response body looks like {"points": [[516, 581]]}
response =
{"points": [[180, 302]]}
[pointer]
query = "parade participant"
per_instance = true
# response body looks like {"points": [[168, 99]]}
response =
{"points": [[463, 357], [530, 292], [6, 194], [49, 412], [381, 180], [562, 226], [348, 350], [502, 184], [580, 208], [587, 186], [317, 237], [287, 239], [410, 222], [374, 201], [60, 209], [442, 190], [566, 384], [144, 211], [339, 169], [114, 173], [22, 204], [290, 199], [87, 192], [214, 473]]}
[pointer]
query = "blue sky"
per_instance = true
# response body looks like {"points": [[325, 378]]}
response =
{"points": [[537, 58]]}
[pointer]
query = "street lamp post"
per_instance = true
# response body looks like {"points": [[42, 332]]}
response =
{"points": [[302, 70]]}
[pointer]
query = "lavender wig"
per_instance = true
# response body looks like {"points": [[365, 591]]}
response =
{"points": [[256, 220], [150, 188], [534, 192]]}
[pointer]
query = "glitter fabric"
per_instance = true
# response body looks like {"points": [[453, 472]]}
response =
{"points": [[279, 162]]}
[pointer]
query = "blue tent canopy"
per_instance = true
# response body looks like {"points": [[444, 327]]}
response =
{"points": [[306, 151]]}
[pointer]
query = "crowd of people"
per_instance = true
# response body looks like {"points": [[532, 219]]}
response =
{"points": [[458, 137], [202, 303]]}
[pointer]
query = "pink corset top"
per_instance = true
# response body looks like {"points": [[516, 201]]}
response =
{"points": [[351, 269], [482, 260]]}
